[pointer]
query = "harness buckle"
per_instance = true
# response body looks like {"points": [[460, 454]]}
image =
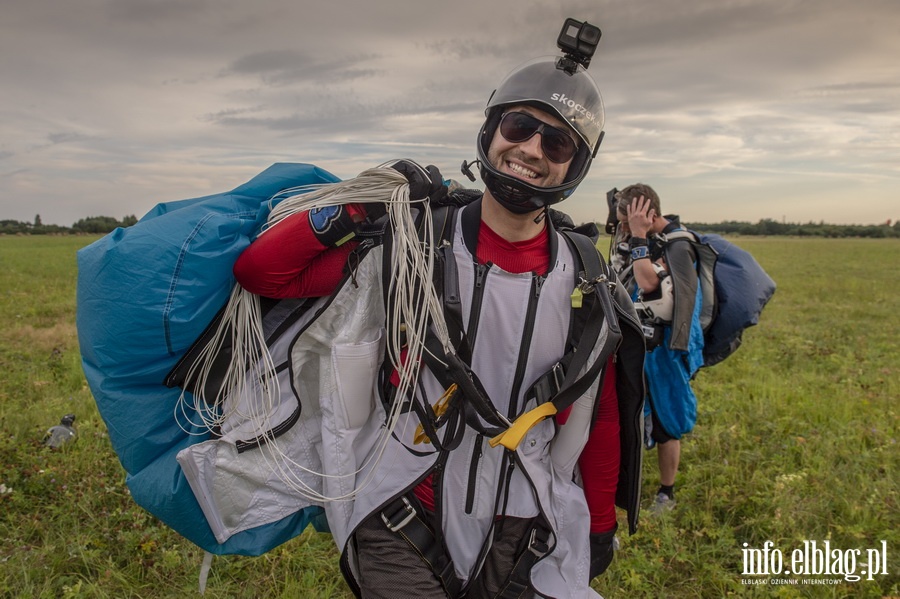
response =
{"points": [[539, 547], [585, 285], [559, 377], [410, 514], [589, 286]]}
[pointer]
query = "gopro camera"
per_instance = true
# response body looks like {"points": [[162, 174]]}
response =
{"points": [[578, 41], [612, 219]]}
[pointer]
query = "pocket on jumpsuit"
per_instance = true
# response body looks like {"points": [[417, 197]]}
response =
{"points": [[356, 370]]}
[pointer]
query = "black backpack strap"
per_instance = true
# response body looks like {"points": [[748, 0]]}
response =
{"points": [[446, 280], [596, 285]]}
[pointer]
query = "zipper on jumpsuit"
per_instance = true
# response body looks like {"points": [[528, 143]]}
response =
{"points": [[477, 452], [481, 271], [510, 458]]}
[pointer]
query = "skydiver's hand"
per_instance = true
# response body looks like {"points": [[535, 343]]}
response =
{"points": [[640, 216], [424, 182]]}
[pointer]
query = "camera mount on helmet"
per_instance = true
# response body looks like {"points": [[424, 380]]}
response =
{"points": [[578, 41]]}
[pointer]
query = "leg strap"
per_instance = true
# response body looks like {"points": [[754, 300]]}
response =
{"points": [[402, 518], [537, 547]]}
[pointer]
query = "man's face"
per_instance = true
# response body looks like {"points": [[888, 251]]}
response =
{"points": [[525, 160]]}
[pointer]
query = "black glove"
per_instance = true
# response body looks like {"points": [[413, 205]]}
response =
{"points": [[424, 182], [601, 551]]}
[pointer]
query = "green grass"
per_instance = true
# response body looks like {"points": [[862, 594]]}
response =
{"points": [[796, 440]]}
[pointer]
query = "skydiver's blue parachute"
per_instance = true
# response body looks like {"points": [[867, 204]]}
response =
{"points": [[145, 294], [734, 289]]}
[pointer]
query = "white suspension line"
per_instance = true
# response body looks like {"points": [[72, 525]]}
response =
{"points": [[251, 372]]}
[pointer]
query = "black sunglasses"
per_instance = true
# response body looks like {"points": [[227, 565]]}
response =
{"points": [[557, 145]]}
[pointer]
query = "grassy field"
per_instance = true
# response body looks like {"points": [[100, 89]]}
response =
{"points": [[796, 441]]}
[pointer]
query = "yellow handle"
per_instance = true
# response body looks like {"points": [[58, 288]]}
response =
{"points": [[440, 406], [512, 437], [420, 436]]}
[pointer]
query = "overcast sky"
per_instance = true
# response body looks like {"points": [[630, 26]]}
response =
{"points": [[730, 109]]}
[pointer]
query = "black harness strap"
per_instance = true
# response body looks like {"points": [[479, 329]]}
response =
{"points": [[402, 518], [453, 367], [561, 384], [449, 369], [519, 577]]}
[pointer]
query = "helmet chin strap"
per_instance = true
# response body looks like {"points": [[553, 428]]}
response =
{"points": [[501, 191], [515, 198]]}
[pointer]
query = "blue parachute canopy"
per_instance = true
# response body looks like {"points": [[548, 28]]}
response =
{"points": [[742, 288], [145, 294]]}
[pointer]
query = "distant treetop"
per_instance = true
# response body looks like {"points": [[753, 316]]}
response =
{"points": [[91, 224]]}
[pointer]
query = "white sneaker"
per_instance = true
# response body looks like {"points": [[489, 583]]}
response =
{"points": [[663, 503]]}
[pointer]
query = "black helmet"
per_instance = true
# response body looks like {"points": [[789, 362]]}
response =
{"points": [[558, 86]]}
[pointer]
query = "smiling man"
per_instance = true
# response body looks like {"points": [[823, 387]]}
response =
{"points": [[517, 150], [472, 512]]}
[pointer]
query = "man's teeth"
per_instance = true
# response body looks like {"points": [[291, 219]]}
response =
{"points": [[521, 170]]}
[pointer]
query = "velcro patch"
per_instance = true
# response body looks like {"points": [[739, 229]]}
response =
{"points": [[322, 219]]}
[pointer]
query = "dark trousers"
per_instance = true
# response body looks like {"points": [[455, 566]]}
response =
{"points": [[389, 568]]}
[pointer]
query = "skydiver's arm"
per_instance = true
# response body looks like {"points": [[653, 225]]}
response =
{"points": [[289, 260]]}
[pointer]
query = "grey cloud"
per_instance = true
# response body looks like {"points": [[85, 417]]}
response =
{"points": [[276, 67], [474, 48], [66, 137], [264, 62], [337, 119], [223, 115], [864, 106], [856, 87], [462, 50]]}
